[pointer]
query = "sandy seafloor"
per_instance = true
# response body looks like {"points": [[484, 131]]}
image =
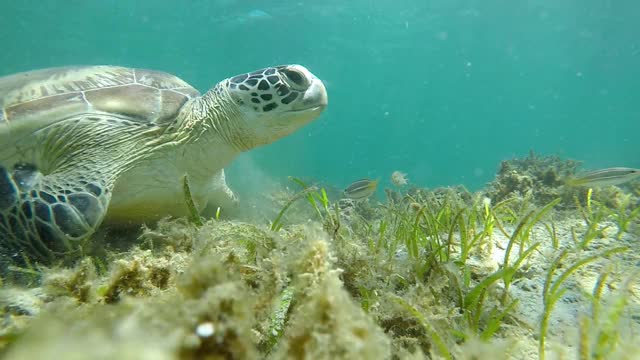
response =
{"points": [[236, 290]]}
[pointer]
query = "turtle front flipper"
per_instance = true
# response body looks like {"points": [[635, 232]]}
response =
{"points": [[44, 215], [220, 198]]}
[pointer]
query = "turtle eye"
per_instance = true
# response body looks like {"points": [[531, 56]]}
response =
{"points": [[297, 80]]}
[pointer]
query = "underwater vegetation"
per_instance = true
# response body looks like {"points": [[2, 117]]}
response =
{"points": [[534, 177], [528, 268], [540, 179]]}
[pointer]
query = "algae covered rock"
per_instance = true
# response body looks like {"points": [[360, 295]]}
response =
{"points": [[540, 177]]}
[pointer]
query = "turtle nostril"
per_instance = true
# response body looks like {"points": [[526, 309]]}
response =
{"points": [[296, 77]]}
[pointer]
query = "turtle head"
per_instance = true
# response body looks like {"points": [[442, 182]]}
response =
{"points": [[274, 102]]}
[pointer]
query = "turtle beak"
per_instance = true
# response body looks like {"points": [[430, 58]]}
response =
{"points": [[314, 96]]}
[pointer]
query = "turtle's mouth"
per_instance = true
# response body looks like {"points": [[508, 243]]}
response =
{"points": [[314, 99], [317, 108]]}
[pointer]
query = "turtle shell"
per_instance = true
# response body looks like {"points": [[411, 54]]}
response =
{"points": [[35, 99]]}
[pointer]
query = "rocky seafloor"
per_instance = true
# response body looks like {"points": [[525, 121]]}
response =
{"points": [[526, 268]]}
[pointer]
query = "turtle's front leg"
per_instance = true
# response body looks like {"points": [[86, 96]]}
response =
{"points": [[44, 215], [220, 197]]}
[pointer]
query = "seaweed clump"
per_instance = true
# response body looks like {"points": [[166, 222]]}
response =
{"points": [[325, 322], [328, 324], [539, 178]]}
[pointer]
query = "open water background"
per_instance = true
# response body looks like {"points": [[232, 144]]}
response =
{"points": [[440, 89]]}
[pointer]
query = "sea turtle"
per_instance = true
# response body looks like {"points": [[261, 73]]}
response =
{"points": [[83, 145]]}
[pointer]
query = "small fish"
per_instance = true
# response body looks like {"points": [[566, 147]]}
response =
{"points": [[605, 177], [361, 189]]}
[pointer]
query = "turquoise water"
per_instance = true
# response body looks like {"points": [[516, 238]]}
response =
{"points": [[442, 90]]}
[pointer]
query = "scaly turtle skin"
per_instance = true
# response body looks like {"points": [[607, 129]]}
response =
{"points": [[83, 145]]}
